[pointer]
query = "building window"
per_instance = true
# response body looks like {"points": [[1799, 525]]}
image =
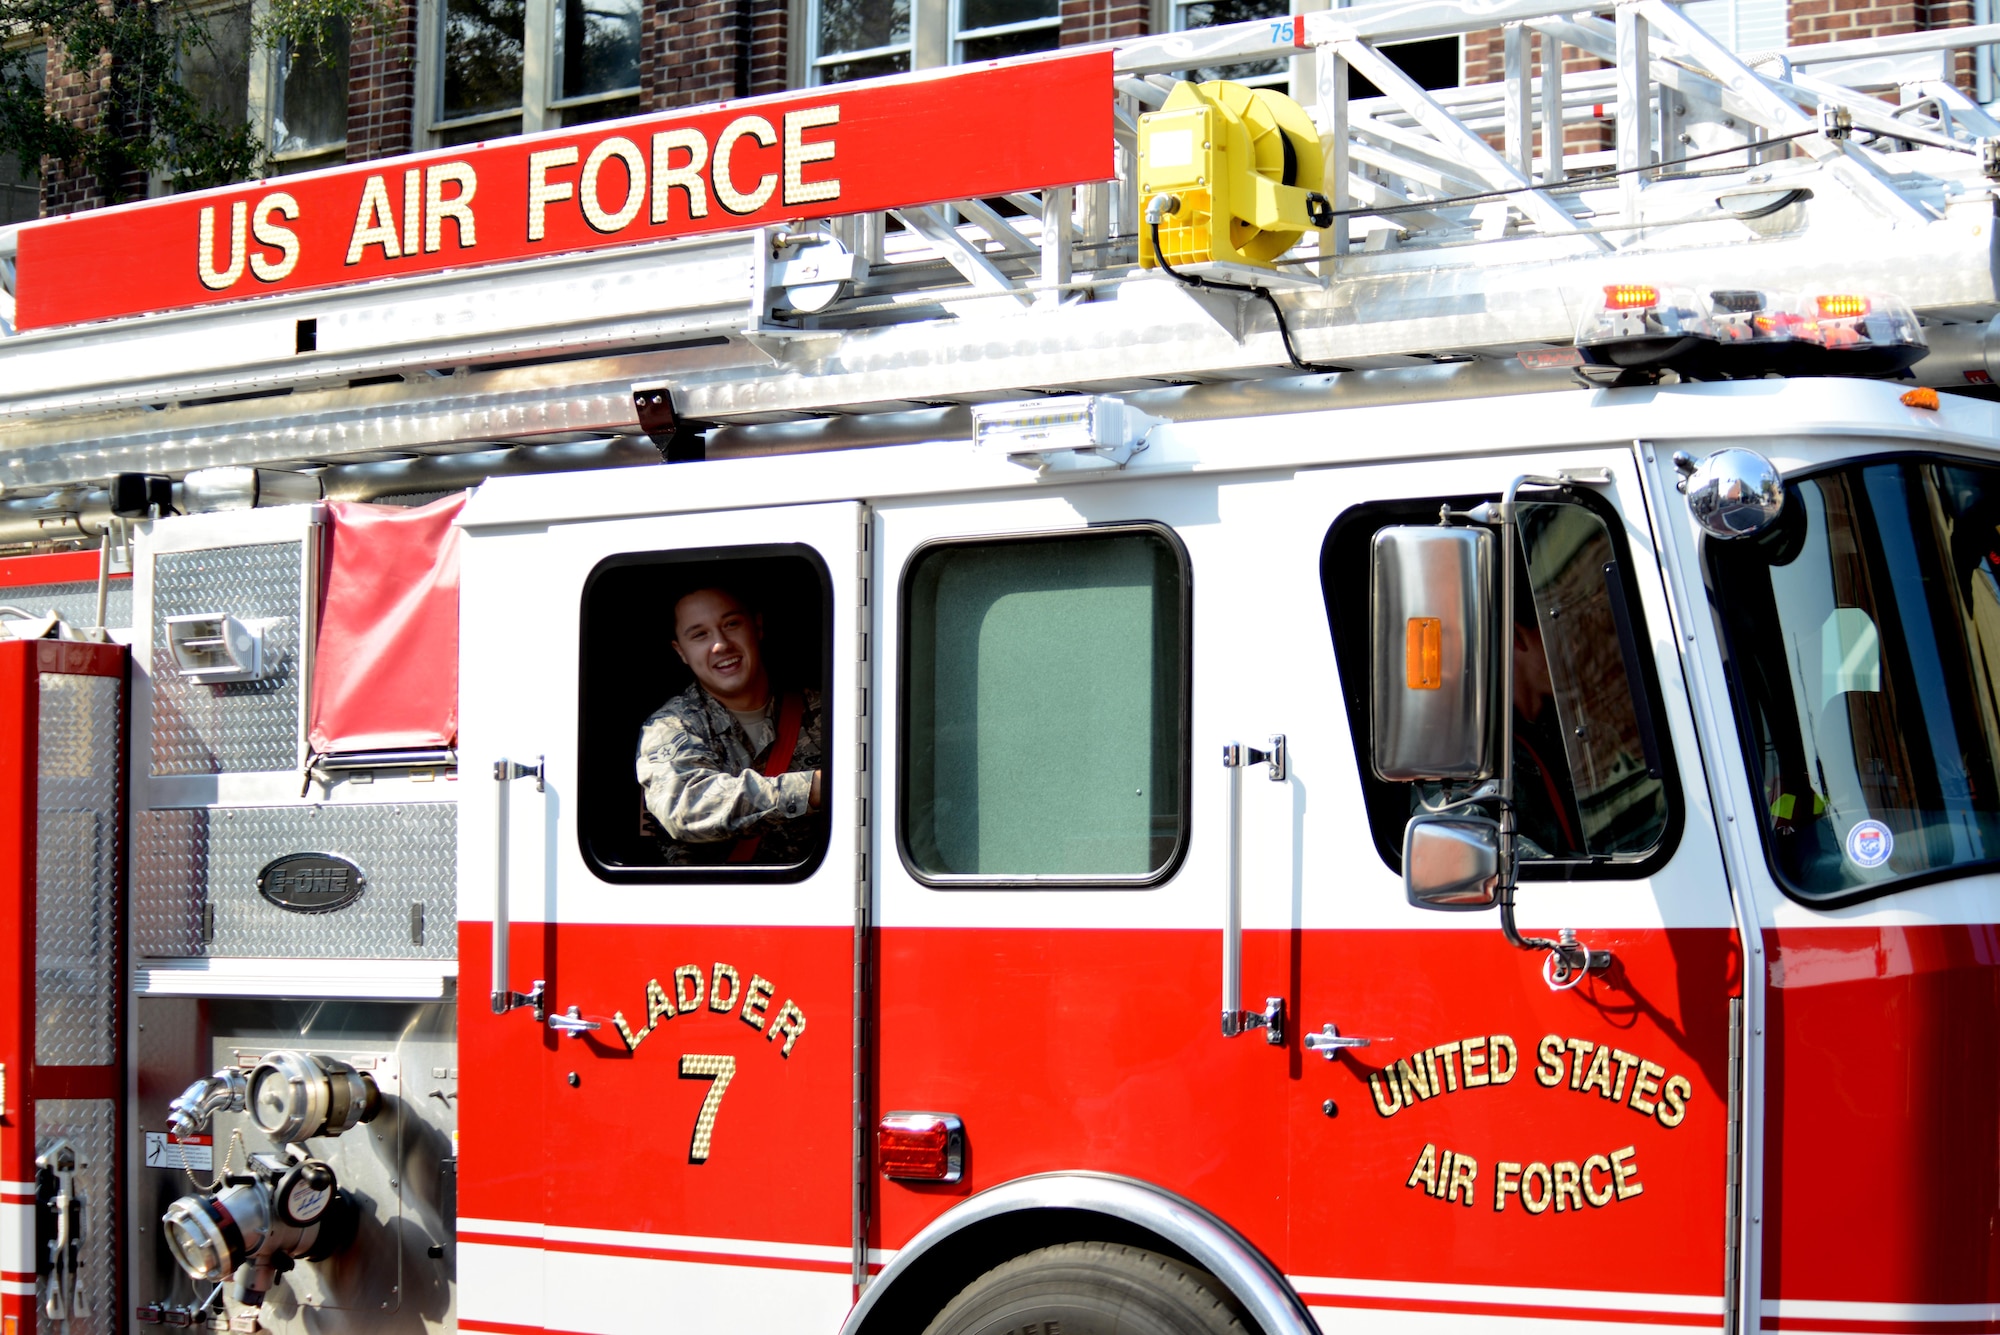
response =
{"points": [[597, 68], [1211, 13], [20, 183], [991, 29], [1045, 724], [1432, 62], [308, 101], [215, 66], [483, 69], [495, 81], [859, 39], [1743, 26], [673, 782]]}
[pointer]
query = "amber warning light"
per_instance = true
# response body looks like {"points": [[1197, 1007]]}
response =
{"points": [[1426, 653], [1843, 307], [921, 1147], [1630, 297]]}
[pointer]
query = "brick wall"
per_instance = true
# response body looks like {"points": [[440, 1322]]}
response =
{"points": [[79, 96], [1485, 61], [382, 87], [1826, 20], [1085, 21], [1840, 20], [709, 50]]}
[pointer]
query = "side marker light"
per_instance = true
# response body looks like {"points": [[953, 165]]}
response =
{"points": [[1425, 663], [921, 1147], [1921, 397]]}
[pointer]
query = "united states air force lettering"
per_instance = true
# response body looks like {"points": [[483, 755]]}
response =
{"points": [[1577, 1066]]}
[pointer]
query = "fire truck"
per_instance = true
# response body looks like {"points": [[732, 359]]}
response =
{"points": [[1338, 806]]}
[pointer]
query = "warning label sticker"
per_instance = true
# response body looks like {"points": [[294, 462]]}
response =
{"points": [[194, 1153]]}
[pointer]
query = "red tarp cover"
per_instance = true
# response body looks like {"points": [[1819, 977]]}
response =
{"points": [[387, 669]]}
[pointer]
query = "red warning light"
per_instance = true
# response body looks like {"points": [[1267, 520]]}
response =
{"points": [[922, 1147]]}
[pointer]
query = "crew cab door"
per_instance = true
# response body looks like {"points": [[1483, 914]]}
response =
{"points": [[672, 1133], [1504, 1146]]}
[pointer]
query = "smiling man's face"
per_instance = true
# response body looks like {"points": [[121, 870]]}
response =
{"points": [[722, 643]]}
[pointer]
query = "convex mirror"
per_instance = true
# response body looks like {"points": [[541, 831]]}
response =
{"points": [[1451, 861]]}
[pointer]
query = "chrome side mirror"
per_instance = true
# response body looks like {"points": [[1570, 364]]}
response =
{"points": [[1451, 862], [1431, 631], [1732, 493]]}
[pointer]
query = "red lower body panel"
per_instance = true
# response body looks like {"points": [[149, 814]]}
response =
{"points": [[1882, 1181]]}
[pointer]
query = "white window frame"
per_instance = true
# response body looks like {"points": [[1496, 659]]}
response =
{"points": [[1278, 78], [538, 109], [264, 83], [961, 35], [818, 61]]}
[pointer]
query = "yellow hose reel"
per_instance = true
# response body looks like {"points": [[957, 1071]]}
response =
{"points": [[1245, 166]]}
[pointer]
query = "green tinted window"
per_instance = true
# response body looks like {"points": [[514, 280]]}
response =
{"points": [[1045, 733]]}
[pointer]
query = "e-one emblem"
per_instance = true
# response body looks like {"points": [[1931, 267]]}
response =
{"points": [[311, 882]]}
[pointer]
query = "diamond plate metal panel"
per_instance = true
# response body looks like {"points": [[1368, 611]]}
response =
{"points": [[236, 727], [90, 1126], [407, 851], [76, 870], [76, 603], [169, 882]]}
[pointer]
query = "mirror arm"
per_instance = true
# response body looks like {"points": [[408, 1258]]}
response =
{"points": [[1574, 958], [1509, 535]]}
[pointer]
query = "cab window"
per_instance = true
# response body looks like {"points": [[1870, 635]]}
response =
{"points": [[1045, 709], [1592, 778], [704, 723]]}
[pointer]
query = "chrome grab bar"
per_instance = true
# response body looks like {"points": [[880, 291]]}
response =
{"points": [[504, 997], [1235, 1020]]}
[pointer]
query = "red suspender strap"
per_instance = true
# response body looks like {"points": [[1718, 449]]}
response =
{"points": [[791, 712]]}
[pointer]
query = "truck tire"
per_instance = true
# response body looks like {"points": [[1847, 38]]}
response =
{"points": [[1090, 1288]]}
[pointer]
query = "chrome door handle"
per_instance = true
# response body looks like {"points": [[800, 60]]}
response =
{"points": [[504, 997], [1329, 1040], [571, 1022]]}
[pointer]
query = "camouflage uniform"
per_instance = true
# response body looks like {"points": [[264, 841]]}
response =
{"points": [[705, 783]]}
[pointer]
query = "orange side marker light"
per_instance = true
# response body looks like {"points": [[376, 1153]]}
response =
{"points": [[1921, 397], [1425, 649]]}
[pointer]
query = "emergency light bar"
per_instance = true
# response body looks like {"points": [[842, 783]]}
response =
{"points": [[1639, 329], [1066, 434]]}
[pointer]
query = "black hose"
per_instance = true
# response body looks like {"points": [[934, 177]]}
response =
{"points": [[1213, 285]]}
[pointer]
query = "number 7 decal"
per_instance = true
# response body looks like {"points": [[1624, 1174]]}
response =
{"points": [[721, 1070]]}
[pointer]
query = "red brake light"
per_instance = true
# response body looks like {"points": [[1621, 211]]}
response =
{"points": [[1630, 297], [1843, 307], [921, 1147]]}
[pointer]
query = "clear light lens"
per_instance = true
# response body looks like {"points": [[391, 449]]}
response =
{"points": [[1070, 422], [1848, 322], [1758, 315], [1630, 312]]}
